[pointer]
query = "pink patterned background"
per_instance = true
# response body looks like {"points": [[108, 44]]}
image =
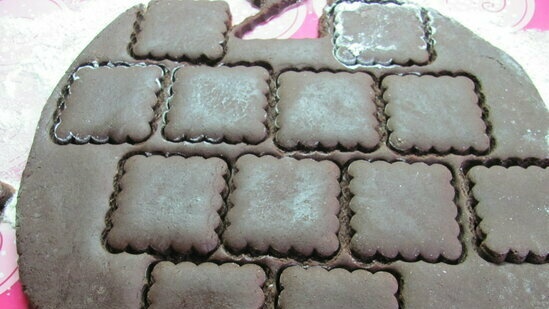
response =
{"points": [[36, 48]]}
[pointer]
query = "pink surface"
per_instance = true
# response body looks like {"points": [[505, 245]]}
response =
{"points": [[11, 296], [540, 20], [309, 27], [298, 22], [14, 298]]}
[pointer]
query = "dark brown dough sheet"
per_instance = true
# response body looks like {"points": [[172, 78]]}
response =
{"points": [[396, 161]]}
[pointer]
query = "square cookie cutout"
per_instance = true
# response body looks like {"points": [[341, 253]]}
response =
{"points": [[513, 209], [316, 287], [380, 34], [284, 204], [216, 104], [207, 285], [196, 30], [326, 110], [439, 113], [168, 204], [113, 104], [403, 211]]}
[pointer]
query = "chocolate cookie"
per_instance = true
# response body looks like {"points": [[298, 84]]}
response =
{"points": [[396, 161]]}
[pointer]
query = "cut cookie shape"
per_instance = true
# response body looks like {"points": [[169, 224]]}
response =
{"points": [[218, 104], [190, 286], [513, 209], [174, 208], [326, 110], [403, 210], [196, 30], [318, 288], [474, 283], [109, 104], [374, 33], [284, 204], [429, 112]]}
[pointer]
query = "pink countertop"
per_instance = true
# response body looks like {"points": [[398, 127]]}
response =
{"points": [[40, 38]]}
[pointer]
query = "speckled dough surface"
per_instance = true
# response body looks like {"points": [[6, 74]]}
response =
{"points": [[174, 208], [325, 110], [109, 104], [284, 204], [190, 286], [218, 104], [319, 288], [395, 161], [415, 220], [197, 30], [445, 102], [395, 35], [513, 213]]}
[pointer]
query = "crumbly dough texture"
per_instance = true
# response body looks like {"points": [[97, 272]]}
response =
{"points": [[178, 165]]}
